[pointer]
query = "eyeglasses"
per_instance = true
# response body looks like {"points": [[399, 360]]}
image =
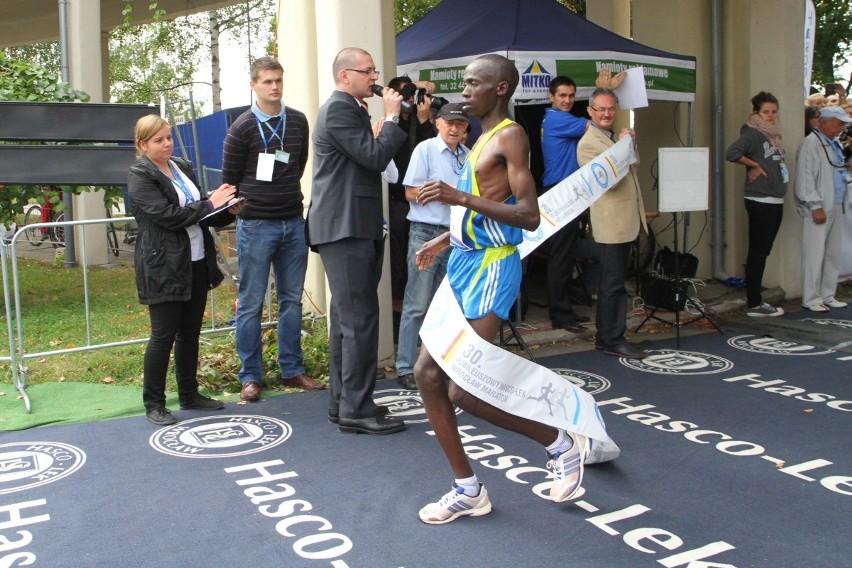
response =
{"points": [[366, 71], [604, 110]]}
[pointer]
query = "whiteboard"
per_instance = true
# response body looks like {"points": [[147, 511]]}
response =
{"points": [[684, 179]]}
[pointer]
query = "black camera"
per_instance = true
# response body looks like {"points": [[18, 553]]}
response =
{"points": [[437, 102]]}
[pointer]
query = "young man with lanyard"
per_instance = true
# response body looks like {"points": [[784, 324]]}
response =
{"points": [[496, 200], [560, 133], [437, 158], [265, 153]]}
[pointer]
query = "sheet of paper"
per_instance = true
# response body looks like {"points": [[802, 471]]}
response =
{"points": [[631, 93]]}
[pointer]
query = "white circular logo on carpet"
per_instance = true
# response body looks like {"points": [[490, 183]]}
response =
{"points": [[845, 324], [589, 382], [220, 436], [674, 362], [774, 346], [404, 404], [24, 465]]}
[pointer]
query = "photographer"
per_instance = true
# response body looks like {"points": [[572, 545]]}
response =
{"points": [[418, 126]]}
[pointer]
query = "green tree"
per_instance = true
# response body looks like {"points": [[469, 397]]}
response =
{"points": [[833, 41], [162, 57], [257, 19], [157, 59], [26, 81], [45, 55]]}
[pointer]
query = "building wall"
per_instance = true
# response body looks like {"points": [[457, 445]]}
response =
{"points": [[762, 49]]}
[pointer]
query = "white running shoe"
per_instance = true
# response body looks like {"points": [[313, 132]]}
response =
{"points": [[456, 504], [836, 304], [567, 469], [816, 307]]}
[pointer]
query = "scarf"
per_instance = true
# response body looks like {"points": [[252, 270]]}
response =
{"points": [[772, 132]]}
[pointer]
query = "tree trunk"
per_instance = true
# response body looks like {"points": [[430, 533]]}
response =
{"points": [[214, 62]]}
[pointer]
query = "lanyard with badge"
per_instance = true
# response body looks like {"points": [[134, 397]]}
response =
{"points": [[266, 161], [180, 184]]}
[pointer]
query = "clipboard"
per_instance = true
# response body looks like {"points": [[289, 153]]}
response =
{"points": [[230, 203]]}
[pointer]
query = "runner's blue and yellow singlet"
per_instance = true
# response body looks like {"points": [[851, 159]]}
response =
{"points": [[484, 269]]}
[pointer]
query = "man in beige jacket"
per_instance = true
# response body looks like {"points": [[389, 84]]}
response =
{"points": [[616, 217]]}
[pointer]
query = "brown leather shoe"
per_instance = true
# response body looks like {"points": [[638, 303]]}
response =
{"points": [[250, 391], [302, 381]]}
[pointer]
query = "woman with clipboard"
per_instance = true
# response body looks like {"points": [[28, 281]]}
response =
{"points": [[175, 263]]}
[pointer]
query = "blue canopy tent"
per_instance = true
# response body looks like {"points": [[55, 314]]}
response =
{"points": [[543, 38]]}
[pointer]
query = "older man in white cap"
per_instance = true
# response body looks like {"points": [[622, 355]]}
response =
{"points": [[440, 158], [821, 186]]}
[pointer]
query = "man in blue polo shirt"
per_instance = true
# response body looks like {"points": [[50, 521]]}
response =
{"points": [[439, 158], [560, 133]]}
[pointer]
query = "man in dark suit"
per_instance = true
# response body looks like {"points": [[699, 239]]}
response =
{"points": [[344, 224]]}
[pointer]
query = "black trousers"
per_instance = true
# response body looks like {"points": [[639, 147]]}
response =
{"points": [[175, 324], [560, 265], [354, 268], [611, 317], [398, 227], [764, 220]]}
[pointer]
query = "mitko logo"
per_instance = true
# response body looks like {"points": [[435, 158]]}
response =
{"points": [[589, 382], [536, 79], [24, 465], [220, 436], [403, 405], [672, 362], [774, 346]]}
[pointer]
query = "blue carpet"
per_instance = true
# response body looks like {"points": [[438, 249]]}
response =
{"points": [[740, 457], [831, 329]]}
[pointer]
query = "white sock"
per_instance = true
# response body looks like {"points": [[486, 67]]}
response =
{"points": [[561, 445], [470, 485]]}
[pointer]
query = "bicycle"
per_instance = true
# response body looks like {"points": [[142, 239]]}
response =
{"points": [[37, 235], [112, 235]]}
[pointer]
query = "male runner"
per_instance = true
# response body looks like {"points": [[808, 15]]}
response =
{"points": [[496, 194]]}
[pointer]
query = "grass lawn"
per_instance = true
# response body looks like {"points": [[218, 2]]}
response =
{"points": [[53, 317]]}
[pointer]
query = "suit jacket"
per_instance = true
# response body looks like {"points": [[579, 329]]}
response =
{"points": [[618, 214], [346, 200]]}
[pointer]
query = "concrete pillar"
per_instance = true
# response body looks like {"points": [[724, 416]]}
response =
{"points": [[86, 71], [310, 34], [297, 52]]}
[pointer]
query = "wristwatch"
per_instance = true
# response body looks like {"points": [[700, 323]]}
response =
{"points": [[394, 119]]}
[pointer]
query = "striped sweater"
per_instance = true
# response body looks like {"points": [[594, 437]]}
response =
{"points": [[282, 197]]}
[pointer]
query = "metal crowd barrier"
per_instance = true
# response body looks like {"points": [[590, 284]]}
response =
{"points": [[18, 357]]}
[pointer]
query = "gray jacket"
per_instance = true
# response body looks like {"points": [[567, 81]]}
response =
{"points": [[346, 201], [755, 146]]}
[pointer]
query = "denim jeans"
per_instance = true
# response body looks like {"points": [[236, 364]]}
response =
{"points": [[419, 290], [278, 243]]}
